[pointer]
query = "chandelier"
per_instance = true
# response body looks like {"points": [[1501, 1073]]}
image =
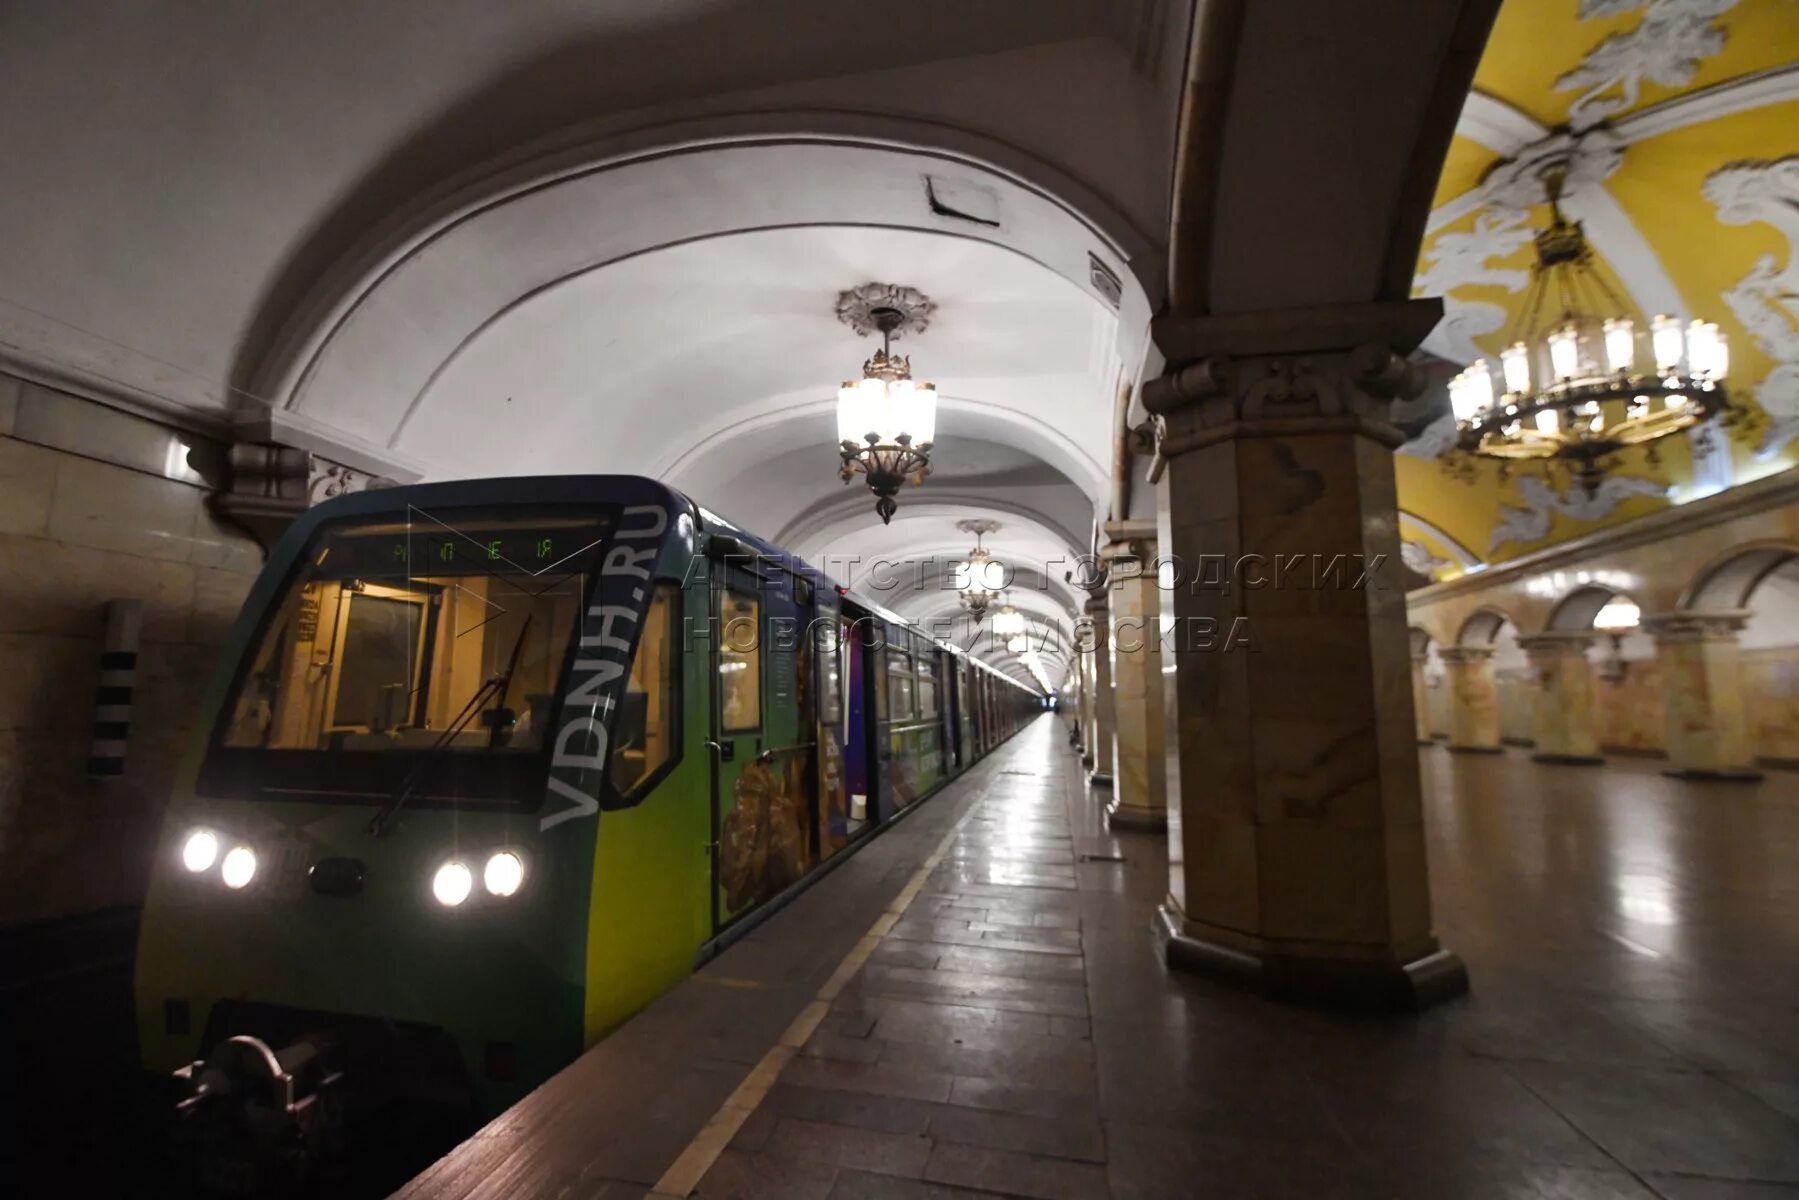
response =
{"points": [[886, 420], [980, 579], [1008, 622], [1571, 386]]}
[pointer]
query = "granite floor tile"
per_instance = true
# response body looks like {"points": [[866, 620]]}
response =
{"points": [[860, 1110], [878, 1078], [1051, 1137], [1692, 1187], [740, 1176], [1672, 1122], [1016, 1174], [866, 1185], [795, 1139]]}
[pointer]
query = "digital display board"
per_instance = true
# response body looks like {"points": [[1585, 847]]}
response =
{"points": [[479, 544]]}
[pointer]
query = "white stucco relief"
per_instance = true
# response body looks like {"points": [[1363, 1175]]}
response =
{"points": [[1532, 521], [1766, 300], [1666, 48]]}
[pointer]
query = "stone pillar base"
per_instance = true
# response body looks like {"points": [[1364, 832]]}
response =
{"points": [[1332, 983], [1475, 749], [1137, 818], [1099, 779], [1719, 774], [1569, 760]]}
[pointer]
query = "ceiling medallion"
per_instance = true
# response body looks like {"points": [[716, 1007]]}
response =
{"points": [[886, 421], [980, 579], [1569, 388]]}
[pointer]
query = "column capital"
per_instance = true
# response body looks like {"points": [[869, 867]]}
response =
{"points": [[1132, 548], [1689, 625], [270, 485], [1466, 654], [1557, 642], [1286, 373]]}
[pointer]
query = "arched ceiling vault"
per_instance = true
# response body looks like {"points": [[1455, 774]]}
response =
{"points": [[1676, 118], [542, 249]]}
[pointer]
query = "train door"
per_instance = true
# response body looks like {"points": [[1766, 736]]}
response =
{"points": [[762, 737], [830, 653], [740, 626], [856, 725]]}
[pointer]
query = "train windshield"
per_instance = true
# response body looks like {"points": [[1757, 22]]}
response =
{"points": [[444, 635]]}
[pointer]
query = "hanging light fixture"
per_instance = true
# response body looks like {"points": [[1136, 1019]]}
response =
{"points": [[981, 578], [1008, 622], [1573, 384], [886, 420]]}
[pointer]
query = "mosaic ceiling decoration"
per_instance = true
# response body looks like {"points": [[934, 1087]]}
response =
{"points": [[1678, 122]]}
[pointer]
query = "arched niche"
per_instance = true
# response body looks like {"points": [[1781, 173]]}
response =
{"points": [[1511, 671]]}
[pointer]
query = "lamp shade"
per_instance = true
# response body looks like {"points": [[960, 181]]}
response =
{"points": [[886, 409]]}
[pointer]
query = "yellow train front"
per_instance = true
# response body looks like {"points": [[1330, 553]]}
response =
{"points": [[488, 766]]}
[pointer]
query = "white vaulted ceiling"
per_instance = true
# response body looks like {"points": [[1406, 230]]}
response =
{"points": [[455, 239]]}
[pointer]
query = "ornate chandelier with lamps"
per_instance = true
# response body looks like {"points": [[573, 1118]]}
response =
{"points": [[1574, 383], [886, 420], [979, 580], [1008, 622]]}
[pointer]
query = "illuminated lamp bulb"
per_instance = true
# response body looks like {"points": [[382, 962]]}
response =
{"points": [[1665, 340], [1514, 360], [1620, 344], [1549, 421], [1564, 352]]}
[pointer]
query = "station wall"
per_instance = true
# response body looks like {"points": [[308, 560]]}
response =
{"points": [[97, 505]]}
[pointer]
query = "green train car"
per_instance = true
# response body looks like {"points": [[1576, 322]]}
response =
{"points": [[489, 765]]}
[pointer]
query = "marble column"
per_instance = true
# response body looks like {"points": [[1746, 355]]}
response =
{"points": [[1296, 837], [1141, 791], [1473, 699], [1702, 689], [1083, 659], [1099, 743], [1421, 696], [1562, 706]]}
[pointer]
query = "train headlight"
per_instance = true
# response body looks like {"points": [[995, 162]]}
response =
{"points": [[239, 867], [200, 850], [452, 884], [505, 872]]}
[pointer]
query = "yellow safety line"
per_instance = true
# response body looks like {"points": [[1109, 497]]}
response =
{"points": [[685, 1173]]}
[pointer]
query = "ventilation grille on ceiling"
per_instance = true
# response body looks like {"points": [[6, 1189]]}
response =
{"points": [[962, 201], [1105, 281]]}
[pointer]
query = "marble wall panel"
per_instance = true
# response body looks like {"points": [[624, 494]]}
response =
{"points": [[76, 534]]}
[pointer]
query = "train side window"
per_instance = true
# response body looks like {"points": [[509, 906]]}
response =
{"points": [[740, 663], [646, 734], [899, 685], [927, 687]]}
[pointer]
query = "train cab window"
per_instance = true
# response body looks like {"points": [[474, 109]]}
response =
{"points": [[740, 663], [409, 637], [900, 696], [647, 727]]}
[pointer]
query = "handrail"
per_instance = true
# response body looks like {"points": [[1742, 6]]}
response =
{"points": [[769, 754]]}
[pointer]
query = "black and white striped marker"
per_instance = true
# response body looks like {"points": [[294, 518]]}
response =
{"points": [[118, 678]]}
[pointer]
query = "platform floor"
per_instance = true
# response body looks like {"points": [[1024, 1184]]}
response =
{"points": [[995, 1019]]}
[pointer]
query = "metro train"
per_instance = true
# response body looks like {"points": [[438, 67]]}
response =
{"points": [[489, 765]]}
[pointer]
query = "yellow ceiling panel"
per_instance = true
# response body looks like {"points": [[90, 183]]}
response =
{"points": [[1535, 43], [1467, 163]]}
